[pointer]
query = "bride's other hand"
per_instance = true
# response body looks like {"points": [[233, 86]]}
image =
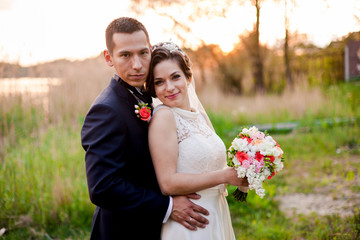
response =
{"points": [[188, 213], [233, 179]]}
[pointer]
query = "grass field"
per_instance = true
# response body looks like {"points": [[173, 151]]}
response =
{"points": [[42, 174]]}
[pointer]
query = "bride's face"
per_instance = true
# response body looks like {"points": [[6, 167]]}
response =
{"points": [[171, 85]]}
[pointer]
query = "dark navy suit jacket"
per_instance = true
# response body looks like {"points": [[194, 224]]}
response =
{"points": [[120, 174]]}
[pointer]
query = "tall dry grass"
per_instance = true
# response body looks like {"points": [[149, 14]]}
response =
{"points": [[296, 102], [41, 160], [42, 175]]}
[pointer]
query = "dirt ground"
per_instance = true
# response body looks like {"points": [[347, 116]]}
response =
{"points": [[321, 204], [338, 198]]}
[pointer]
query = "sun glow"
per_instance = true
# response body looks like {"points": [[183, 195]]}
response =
{"points": [[40, 30], [224, 31]]}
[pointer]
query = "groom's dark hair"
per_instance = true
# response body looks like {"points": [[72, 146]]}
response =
{"points": [[123, 25]]}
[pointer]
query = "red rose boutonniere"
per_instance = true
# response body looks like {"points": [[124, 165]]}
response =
{"points": [[143, 111]]}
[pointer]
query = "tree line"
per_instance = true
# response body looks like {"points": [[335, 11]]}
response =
{"points": [[269, 70]]}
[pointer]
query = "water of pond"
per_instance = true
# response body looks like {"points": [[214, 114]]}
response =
{"points": [[34, 90], [27, 86]]}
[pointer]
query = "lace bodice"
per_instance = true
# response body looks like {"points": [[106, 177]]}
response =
{"points": [[200, 149]]}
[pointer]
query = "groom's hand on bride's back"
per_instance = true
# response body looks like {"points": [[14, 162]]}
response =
{"points": [[188, 213]]}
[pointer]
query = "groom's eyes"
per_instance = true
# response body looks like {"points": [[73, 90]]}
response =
{"points": [[125, 55]]}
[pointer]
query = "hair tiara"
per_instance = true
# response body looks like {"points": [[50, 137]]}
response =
{"points": [[172, 47]]}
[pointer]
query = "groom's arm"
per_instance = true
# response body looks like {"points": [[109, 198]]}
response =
{"points": [[102, 134]]}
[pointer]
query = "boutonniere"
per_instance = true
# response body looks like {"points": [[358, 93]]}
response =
{"points": [[143, 111]]}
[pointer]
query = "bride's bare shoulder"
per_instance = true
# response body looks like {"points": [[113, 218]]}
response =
{"points": [[163, 116]]}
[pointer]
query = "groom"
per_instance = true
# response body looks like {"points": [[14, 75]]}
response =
{"points": [[120, 175]]}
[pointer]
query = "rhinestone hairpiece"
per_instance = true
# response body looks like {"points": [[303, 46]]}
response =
{"points": [[172, 47]]}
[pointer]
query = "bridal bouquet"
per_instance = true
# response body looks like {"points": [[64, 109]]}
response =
{"points": [[257, 156]]}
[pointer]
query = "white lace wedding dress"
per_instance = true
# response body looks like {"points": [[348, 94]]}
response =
{"points": [[200, 150]]}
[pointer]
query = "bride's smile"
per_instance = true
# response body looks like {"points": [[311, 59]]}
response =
{"points": [[171, 85], [172, 96]]}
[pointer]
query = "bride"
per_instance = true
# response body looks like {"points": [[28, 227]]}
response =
{"points": [[187, 154]]}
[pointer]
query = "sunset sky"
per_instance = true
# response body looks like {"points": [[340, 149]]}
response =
{"points": [[35, 31]]}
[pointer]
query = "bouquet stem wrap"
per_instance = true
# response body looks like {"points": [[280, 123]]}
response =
{"points": [[241, 193]]}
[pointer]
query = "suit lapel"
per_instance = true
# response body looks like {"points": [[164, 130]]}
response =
{"points": [[123, 92], [126, 96]]}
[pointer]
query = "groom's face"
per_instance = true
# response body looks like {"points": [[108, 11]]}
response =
{"points": [[130, 57]]}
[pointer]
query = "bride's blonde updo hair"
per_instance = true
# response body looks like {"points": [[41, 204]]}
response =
{"points": [[167, 51]]}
